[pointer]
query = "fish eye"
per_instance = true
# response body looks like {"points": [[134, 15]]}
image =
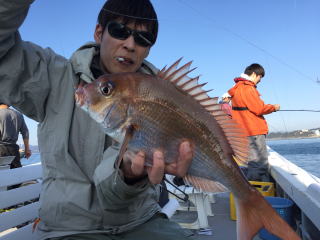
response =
{"points": [[106, 89]]}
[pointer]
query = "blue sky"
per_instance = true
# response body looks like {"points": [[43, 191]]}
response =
{"points": [[221, 37]]}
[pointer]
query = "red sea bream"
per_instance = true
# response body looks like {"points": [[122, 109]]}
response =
{"points": [[159, 111]]}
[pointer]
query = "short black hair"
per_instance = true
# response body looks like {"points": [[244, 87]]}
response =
{"points": [[139, 12], [255, 68]]}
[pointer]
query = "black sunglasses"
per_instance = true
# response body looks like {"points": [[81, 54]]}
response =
{"points": [[121, 32]]}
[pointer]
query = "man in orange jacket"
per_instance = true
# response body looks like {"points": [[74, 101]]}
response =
{"points": [[248, 110]]}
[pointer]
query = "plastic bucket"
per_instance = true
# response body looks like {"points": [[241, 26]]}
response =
{"points": [[283, 206], [265, 188]]}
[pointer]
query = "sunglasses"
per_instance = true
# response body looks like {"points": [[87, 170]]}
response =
{"points": [[121, 32]]}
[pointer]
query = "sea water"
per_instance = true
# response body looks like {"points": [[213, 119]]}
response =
{"points": [[35, 158], [305, 153]]}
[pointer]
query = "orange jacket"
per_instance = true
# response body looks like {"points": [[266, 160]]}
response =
{"points": [[245, 96]]}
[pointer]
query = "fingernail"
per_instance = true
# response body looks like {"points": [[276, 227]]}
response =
{"points": [[141, 154], [158, 154], [185, 145]]}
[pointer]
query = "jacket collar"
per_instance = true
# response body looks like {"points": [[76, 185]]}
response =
{"points": [[81, 61], [84, 60], [244, 81]]}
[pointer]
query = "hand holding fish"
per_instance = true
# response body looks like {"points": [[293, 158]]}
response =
{"points": [[134, 168]]}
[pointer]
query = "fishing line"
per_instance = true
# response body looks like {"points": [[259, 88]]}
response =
{"points": [[275, 129], [298, 110], [276, 96], [248, 42]]}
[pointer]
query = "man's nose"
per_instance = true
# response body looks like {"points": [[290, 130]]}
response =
{"points": [[129, 43]]}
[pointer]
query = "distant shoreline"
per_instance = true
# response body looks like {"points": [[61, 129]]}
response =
{"points": [[288, 138]]}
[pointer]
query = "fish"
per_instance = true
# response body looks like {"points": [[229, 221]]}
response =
{"points": [[147, 112]]}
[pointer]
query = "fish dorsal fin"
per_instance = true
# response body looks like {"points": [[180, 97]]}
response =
{"points": [[166, 72], [204, 184], [234, 133]]}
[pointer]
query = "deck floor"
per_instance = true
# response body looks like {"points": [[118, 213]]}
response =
{"points": [[221, 226]]}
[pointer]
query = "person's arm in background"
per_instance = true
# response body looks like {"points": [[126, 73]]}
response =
{"points": [[255, 104], [27, 151], [25, 136]]}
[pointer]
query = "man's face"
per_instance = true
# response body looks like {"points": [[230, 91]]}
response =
{"points": [[119, 56]]}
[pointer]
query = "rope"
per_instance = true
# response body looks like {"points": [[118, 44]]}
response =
{"points": [[186, 196]]}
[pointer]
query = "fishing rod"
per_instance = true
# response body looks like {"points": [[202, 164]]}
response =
{"points": [[299, 110]]}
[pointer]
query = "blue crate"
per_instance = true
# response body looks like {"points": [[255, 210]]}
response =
{"points": [[283, 207]]}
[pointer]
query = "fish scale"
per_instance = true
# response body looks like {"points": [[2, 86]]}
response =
{"points": [[172, 129]]}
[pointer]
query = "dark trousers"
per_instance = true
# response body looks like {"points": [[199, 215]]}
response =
{"points": [[11, 150], [258, 159]]}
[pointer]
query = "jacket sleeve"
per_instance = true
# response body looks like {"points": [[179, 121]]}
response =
{"points": [[255, 104], [112, 191], [24, 129], [24, 67]]}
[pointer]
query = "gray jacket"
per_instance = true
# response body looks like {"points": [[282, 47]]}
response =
{"points": [[78, 191]]}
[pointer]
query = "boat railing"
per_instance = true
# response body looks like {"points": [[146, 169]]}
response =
{"points": [[19, 195], [302, 188], [5, 162]]}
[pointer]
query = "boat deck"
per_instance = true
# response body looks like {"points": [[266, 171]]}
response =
{"points": [[221, 226]]}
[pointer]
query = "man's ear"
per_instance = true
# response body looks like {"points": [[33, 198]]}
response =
{"points": [[98, 32], [147, 52]]}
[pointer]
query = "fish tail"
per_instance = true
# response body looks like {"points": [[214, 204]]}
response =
{"points": [[257, 213]]}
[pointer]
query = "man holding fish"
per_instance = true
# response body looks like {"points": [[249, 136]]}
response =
{"points": [[97, 187]]}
